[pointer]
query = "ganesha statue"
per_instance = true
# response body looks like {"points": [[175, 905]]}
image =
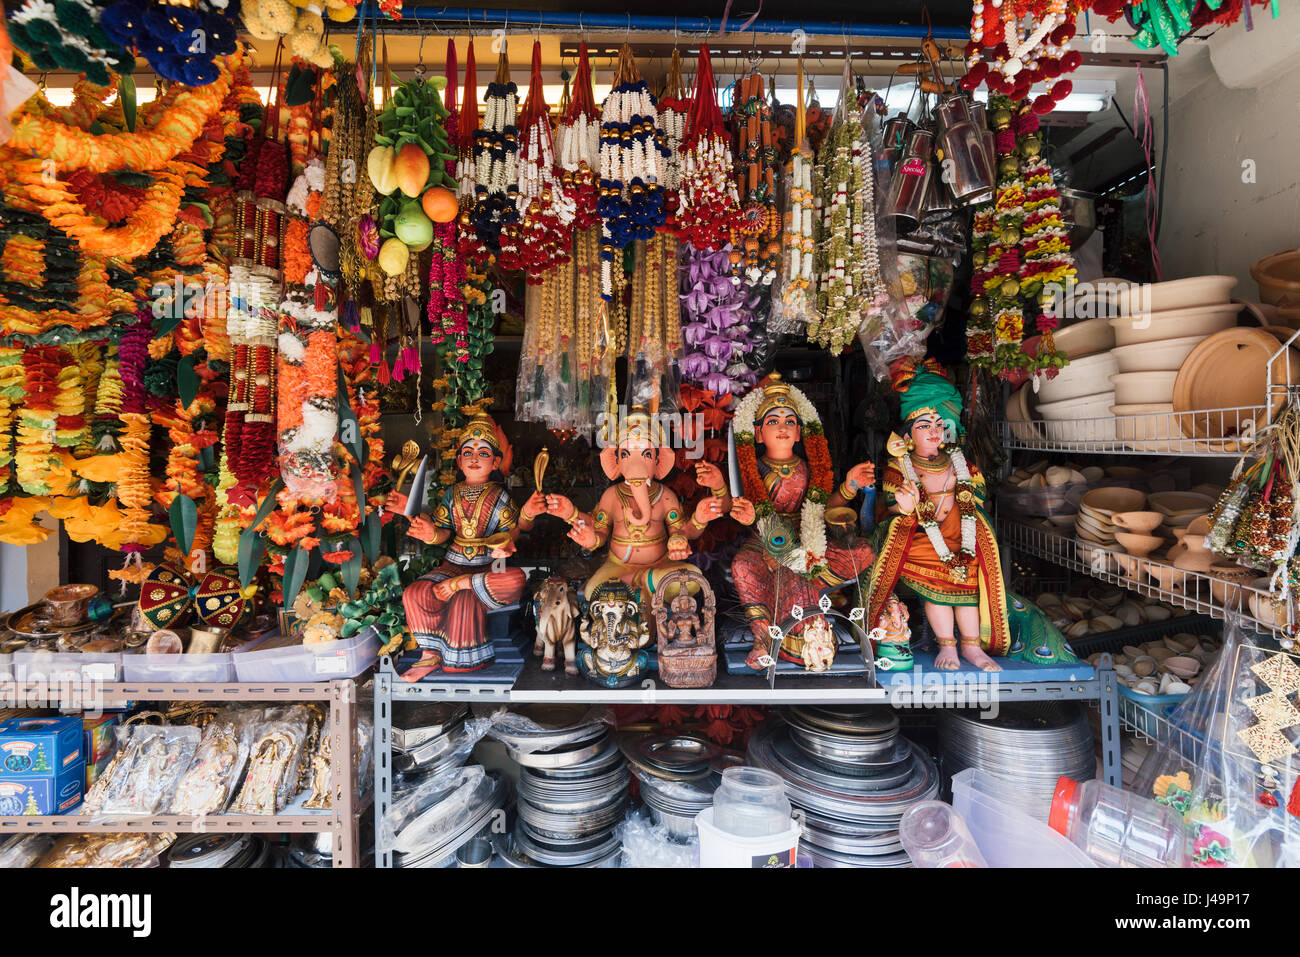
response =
{"points": [[447, 609], [891, 638], [613, 637], [639, 517], [788, 483]]}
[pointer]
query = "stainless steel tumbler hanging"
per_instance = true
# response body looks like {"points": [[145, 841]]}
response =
{"points": [[966, 168], [911, 180]]}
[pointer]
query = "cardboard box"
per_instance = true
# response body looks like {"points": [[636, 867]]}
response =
{"points": [[45, 793], [39, 746], [100, 738]]}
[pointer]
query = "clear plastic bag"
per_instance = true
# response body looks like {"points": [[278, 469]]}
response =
{"points": [[1228, 764], [647, 844], [209, 782], [273, 765], [434, 810], [142, 776], [108, 850], [24, 850], [524, 735]]}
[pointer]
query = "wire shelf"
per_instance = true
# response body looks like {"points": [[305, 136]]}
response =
{"points": [[1148, 576], [1209, 432]]}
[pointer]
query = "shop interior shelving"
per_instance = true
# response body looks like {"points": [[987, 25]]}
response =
{"points": [[1146, 576], [340, 821], [926, 689], [1154, 433]]}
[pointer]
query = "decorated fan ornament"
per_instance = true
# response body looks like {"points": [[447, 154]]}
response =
{"points": [[169, 594], [1017, 43]]}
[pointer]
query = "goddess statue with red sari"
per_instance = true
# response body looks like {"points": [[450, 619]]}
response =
{"points": [[787, 560], [447, 609], [939, 542]]}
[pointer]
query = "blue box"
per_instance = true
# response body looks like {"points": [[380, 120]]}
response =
{"points": [[39, 746], [45, 793]]}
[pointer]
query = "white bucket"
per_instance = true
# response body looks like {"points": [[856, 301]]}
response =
{"points": [[720, 849]]}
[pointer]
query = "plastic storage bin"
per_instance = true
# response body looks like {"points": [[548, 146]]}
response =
{"points": [[345, 658], [181, 668], [1006, 836], [60, 666]]}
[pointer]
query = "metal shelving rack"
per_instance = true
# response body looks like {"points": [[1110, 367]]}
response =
{"points": [[340, 821], [1146, 576], [534, 686], [1154, 433]]}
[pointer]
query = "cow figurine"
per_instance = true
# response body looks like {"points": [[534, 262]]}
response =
{"points": [[555, 605]]}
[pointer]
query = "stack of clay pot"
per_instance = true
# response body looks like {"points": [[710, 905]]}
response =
{"points": [[1159, 326], [1163, 666], [1103, 609], [1075, 405], [1095, 522]]}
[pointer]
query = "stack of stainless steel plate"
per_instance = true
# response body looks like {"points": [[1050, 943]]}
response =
{"points": [[851, 775], [571, 797], [457, 811], [678, 775], [1027, 747], [424, 735]]}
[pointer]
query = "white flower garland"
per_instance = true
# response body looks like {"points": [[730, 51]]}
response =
{"points": [[931, 526]]}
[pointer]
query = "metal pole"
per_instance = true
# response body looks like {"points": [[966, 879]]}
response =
{"points": [[661, 24]]}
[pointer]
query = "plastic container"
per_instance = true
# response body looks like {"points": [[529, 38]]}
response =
{"points": [[345, 658], [750, 802], [214, 667], [934, 835], [62, 666], [1006, 836], [721, 849], [1116, 828]]}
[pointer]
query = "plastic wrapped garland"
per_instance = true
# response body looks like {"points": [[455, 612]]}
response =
{"points": [[795, 300], [632, 159], [218, 764], [654, 340], [496, 162], [673, 110], [759, 225], [717, 334], [546, 367], [709, 207], [578, 143]]}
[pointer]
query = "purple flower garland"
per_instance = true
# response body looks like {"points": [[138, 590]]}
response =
{"points": [[717, 337]]}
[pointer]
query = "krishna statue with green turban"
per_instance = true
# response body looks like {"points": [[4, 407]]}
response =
{"points": [[939, 542]]}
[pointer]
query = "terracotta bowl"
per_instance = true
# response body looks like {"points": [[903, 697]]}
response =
{"points": [[1175, 503], [1138, 523], [1139, 545], [1177, 294], [1114, 498], [1174, 323], [1087, 376], [1167, 354], [1278, 277], [1228, 579], [1199, 525], [1085, 338], [1082, 419], [1019, 416], [1126, 473], [1143, 388], [1230, 370]]}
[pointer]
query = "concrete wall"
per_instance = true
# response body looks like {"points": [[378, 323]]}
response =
{"points": [[27, 573]]}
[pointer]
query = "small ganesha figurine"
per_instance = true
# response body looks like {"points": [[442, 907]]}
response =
{"points": [[892, 637], [614, 637]]}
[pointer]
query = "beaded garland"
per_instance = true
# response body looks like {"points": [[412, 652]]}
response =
{"points": [[546, 211], [496, 170], [799, 273], [850, 280], [578, 140], [759, 224], [632, 160], [1009, 62], [673, 111], [709, 210]]}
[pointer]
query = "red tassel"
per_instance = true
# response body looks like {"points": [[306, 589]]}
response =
{"points": [[1293, 803]]}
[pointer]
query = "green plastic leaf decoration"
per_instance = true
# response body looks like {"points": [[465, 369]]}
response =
{"points": [[295, 572], [252, 547], [184, 515], [126, 96], [187, 381], [351, 569]]}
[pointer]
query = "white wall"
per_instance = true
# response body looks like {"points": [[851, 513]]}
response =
{"points": [[27, 573]]}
